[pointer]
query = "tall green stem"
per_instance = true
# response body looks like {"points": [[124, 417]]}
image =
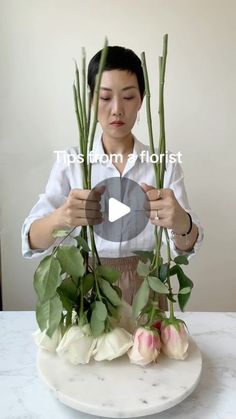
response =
{"points": [[172, 314], [162, 150], [161, 111], [81, 308], [91, 140], [83, 115], [158, 236], [149, 115], [96, 100], [84, 109], [159, 167]]}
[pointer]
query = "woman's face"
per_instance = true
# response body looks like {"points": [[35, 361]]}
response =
{"points": [[119, 102]]}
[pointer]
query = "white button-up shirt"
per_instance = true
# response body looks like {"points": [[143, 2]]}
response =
{"points": [[65, 177]]}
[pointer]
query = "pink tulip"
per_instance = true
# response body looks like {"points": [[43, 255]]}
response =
{"points": [[146, 347], [174, 339]]}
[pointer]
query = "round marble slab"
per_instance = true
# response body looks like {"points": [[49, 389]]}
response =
{"points": [[119, 389]]}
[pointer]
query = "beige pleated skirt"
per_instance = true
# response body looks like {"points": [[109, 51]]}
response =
{"points": [[129, 281]]}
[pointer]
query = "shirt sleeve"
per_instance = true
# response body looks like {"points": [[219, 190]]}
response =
{"points": [[175, 181], [56, 192]]}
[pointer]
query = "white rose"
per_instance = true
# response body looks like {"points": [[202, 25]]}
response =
{"points": [[45, 342], [113, 344], [77, 345]]}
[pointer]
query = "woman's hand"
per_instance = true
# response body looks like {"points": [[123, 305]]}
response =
{"points": [[165, 211], [81, 208]]}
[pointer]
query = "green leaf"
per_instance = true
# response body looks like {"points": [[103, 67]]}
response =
{"points": [[83, 319], [181, 260], [141, 298], [112, 311], [60, 233], [182, 300], [68, 305], [48, 315], [185, 290], [163, 271], [88, 282], [97, 325], [118, 290], [82, 243], [109, 292], [185, 284], [143, 269], [68, 318], [71, 260], [69, 289], [173, 270], [144, 255], [100, 310], [47, 278], [184, 281], [157, 286], [108, 273]]}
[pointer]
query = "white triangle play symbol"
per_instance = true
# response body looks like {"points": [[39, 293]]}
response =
{"points": [[116, 209]]}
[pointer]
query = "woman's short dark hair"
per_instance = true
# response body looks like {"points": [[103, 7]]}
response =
{"points": [[118, 58]]}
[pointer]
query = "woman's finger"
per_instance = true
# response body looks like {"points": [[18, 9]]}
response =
{"points": [[155, 205], [84, 221], [156, 214]]}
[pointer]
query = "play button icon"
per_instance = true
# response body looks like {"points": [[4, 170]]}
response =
{"points": [[123, 209], [116, 210]]}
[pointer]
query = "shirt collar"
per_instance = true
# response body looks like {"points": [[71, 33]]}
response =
{"points": [[98, 149]]}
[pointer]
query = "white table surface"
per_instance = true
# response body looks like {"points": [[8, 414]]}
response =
{"points": [[24, 396]]}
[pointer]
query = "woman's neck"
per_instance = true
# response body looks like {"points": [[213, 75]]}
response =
{"points": [[115, 145]]}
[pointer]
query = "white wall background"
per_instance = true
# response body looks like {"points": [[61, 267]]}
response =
{"points": [[39, 41]]}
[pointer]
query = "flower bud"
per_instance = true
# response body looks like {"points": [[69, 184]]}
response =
{"points": [[146, 347], [174, 339]]}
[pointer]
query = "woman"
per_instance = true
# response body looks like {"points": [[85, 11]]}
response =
{"points": [[64, 202]]}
